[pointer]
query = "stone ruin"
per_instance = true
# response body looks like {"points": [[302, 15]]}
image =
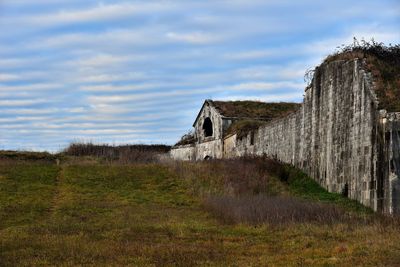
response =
{"points": [[339, 135]]}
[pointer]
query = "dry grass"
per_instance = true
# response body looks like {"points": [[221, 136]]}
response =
{"points": [[122, 154], [261, 190], [146, 215], [13, 156], [235, 177], [255, 109], [277, 210]]}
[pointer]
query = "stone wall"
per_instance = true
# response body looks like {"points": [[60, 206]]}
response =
{"points": [[209, 150], [208, 111], [336, 136], [230, 150], [206, 150], [209, 146], [393, 131], [186, 152]]}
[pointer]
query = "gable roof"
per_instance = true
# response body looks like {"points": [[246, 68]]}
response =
{"points": [[248, 109]]}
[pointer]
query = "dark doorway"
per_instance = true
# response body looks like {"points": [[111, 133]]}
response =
{"points": [[208, 127], [345, 191], [252, 138]]}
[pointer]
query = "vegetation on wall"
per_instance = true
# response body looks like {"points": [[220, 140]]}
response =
{"points": [[383, 62], [187, 139], [255, 109], [242, 127]]}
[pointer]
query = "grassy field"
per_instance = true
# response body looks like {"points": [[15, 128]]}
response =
{"points": [[86, 213]]}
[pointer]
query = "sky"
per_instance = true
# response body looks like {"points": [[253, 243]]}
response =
{"points": [[122, 72]]}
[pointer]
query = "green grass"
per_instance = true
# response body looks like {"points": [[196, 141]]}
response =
{"points": [[301, 185], [24, 197], [145, 215]]}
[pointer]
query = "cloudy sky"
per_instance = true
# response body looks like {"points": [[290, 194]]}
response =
{"points": [[138, 71]]}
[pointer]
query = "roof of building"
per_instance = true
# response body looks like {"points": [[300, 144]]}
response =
{"points": [[248, 109], [254, 109]]}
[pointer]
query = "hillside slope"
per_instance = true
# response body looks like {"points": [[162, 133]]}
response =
{"points": [[153, 215]]}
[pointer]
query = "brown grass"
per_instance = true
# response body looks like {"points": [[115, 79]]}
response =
{"points": [[276, 210], [13, 156], [233, 177], [122, 154], [255, 109], [96, 214]]}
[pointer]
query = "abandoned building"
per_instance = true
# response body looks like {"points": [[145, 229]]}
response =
{"points": [[345, 134]]}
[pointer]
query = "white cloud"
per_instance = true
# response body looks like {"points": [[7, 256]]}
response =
{"points": [[101, 60], [195, 37], [289, 97], [265, 86], [106, 77], [21, 103], [5, 77], [291, 72], [101, 12], [21, 119], [119, 71], [30, 87], [120, 88], [111, 38], [18, 62]]}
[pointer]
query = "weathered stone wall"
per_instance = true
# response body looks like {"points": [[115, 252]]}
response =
{"points": [[211, 149], [186, 152], [230, 150], [206, 146], [338, 137], [393, 130], [335, 137], [208, 111]]}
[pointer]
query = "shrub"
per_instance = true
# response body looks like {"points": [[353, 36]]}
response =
{"points": [[186, 139], [27, 156]]}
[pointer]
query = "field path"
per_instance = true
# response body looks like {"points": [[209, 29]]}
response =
{"points": [[58, 192]]}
